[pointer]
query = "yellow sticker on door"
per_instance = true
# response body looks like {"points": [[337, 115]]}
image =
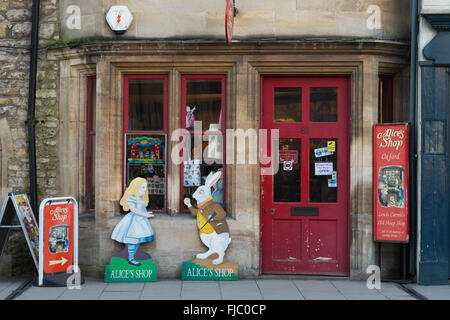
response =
{"points": [[331, 146]]}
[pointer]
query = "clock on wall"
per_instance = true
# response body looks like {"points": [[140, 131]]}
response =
{"points": [[119, 19]]}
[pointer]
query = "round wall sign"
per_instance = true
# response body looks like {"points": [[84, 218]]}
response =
{"points": [[229, 20], [119, 18]]}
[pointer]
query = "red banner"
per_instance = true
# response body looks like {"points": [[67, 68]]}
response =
{"points": [[391, 183], [58, 239]]}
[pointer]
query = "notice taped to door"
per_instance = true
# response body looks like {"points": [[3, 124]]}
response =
{"points": [[323, 168]]}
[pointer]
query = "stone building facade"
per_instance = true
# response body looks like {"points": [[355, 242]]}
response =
{"points": [[15, 28], [82, 64]]}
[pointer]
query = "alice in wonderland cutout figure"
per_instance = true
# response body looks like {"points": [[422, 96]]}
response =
{"points": [[214, 233], [132, 264], [213, 227], [134, 228]]}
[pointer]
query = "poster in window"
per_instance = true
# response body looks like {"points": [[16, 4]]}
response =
{"points": [[391, 216], [146, 158]]}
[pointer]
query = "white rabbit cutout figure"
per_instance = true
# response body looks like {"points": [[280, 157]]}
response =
{"points": [[213, 228]]}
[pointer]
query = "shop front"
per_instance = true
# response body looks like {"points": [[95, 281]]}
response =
{"points": [[281, 100], [312, 214]]}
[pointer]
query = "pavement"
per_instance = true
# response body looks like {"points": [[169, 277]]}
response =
{"points": [[255, 289], [8, 285]]}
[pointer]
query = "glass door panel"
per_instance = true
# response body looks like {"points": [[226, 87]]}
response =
{"points": [[287, 181]]}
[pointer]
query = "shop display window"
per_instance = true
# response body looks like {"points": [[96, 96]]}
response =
{"points": [[203, 115], [145, 136]]}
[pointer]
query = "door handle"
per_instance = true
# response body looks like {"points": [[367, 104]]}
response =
{"points": [[265, 211], [272, 211]]}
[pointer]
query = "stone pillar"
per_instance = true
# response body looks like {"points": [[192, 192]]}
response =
{"points": [[364, 116]]}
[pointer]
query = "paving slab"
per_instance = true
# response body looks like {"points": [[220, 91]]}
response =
{"points": [[42, 293], [357, 290], [125, 286], [318, 290], [272, 289], [8, 285], [200, 290], [432, 292], [240, 290], [75, 294], [393, 291], [162, 290], [120, 295]]}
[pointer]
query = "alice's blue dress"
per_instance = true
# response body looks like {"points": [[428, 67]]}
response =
{"points": [[133, 228]]}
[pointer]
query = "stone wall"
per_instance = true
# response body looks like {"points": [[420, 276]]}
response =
{"points": [[15, 26], [201, 20], [15, 32], [47, 116]]}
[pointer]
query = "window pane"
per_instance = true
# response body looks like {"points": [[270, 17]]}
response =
{"points": [[204, 103], [92, 172], [199, 163], [207, 148], [287, 181], [146, 105], [194, 175], [434, 136], [323, 105], [93, 99], [323, 179], [145, 155], [287, 106], [385, 108]]}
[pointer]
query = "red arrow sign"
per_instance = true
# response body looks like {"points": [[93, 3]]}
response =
{"points": [[58, 239]]}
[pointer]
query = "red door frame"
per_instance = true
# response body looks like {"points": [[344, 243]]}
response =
{"points": [[126, 92], [223, 127], [314, 132]]}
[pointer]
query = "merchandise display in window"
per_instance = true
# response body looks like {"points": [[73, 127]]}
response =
{"points": [[203, 114], [146, 158]]}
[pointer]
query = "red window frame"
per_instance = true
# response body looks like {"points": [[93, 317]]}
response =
{"points": [[126, 81], [89, 133], [184, 79]]}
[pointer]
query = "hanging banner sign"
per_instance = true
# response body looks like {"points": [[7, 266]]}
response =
{"points": [[229, 20], [18, 203], [391, 183], [59, 236]]}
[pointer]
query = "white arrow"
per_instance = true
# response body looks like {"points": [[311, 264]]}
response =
{"points": [[62, 261]]}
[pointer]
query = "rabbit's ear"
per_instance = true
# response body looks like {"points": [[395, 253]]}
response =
{"points": [[212, 178]]}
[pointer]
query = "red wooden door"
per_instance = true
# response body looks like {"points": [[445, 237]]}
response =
{"points": [[305, 205]]}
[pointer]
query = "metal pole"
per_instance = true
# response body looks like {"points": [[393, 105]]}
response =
{"points": [[31, 121], [412, 139]]}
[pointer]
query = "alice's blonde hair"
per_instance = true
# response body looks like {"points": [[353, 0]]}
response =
{"points": [[133, 189]]}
